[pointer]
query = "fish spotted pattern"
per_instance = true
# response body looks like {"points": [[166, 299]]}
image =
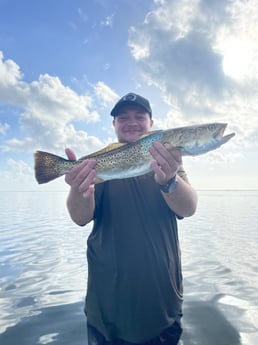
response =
{"points": [[119, 160]]}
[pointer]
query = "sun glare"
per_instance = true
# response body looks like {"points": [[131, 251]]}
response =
{"points": [[237, 59]]}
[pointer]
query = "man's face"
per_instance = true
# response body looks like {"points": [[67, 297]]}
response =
{"points": [[131, 123]]}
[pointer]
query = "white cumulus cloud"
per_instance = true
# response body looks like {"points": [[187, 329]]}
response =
{"points": [[49, 109], [183, 47]]}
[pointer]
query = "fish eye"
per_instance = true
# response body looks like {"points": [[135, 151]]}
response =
{"points": [[212, 127]]}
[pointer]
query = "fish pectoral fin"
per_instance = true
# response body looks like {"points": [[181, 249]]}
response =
{"points": [[98, 180], [186, 151]]}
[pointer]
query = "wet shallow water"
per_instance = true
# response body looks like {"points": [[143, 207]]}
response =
{"points": [[43, 270]]}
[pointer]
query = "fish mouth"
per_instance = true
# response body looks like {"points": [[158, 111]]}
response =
{"points": [[220, 130], [219, 134]]}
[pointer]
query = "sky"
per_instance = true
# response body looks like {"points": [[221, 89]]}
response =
{"points": [[64, 64]]}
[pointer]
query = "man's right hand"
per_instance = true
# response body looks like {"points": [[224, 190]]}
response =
{"points": [[81, 177]]}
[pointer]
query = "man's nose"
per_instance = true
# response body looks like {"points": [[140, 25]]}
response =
{"points": [[132, 121]]}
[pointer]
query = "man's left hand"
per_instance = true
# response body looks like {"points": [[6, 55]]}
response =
{"points": [[166, 162]]}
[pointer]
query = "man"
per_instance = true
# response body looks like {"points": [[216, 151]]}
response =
{"points": [[134, 293]]}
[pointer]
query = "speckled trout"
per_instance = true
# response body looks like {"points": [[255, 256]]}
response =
{"points": [[124, 160]]}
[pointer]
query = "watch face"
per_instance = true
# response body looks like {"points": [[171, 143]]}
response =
{"points": [[170, 186], [173, 186], [165, 188]]}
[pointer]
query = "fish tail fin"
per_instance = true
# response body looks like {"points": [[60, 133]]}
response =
{"points": [[47, 166]]}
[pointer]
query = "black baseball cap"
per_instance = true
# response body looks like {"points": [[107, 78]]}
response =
{"points": [[131, 99]]}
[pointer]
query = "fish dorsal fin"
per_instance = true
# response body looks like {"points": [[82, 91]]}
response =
{"points": [[114, 146], [106, 149], [150, 133]]}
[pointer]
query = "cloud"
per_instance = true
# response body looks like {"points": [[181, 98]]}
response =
{"points": [[238, 42], [49, 109], [83, 15], [175, 52], [20, 168], [105, 94], [4, 128], [16, 175], [9, 72], [182, 38], [108, 21], [180, 48], [12, 89]]}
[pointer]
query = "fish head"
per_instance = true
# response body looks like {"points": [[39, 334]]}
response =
{"points": [[197, 139], [207, 137], [215, 130], [214, 133]]}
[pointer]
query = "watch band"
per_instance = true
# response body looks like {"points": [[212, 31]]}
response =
{"points": [[170, 186]]}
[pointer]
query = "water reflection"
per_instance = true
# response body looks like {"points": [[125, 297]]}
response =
{"points": [[42, 256], [205, 324]]}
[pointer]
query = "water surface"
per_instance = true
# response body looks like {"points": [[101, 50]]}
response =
{"points": [[43, 270]]}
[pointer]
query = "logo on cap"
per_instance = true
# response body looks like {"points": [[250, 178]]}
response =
{"points": [[129, 97]]}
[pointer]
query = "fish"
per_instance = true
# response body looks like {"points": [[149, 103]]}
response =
{"points": [[125, 160]]}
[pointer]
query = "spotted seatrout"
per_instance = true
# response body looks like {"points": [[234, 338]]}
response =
{"points": [[119, 160]]}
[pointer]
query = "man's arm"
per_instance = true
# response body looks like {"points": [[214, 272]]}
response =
{"points": [[167, 163], [183, 200], [80, 201]]}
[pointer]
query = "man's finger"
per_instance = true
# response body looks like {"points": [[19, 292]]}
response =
{"points": [[70, 154]]}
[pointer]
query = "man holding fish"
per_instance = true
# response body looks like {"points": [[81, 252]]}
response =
{"points": [[134, 191], [134, 293]]}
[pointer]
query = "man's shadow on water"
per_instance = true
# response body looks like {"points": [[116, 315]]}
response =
{"points": [[203, 323]]}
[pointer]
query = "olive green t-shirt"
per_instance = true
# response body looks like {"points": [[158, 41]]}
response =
{"points": [[134, 269]]}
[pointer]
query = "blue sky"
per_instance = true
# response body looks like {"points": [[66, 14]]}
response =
{"points": [[63, 65]]}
